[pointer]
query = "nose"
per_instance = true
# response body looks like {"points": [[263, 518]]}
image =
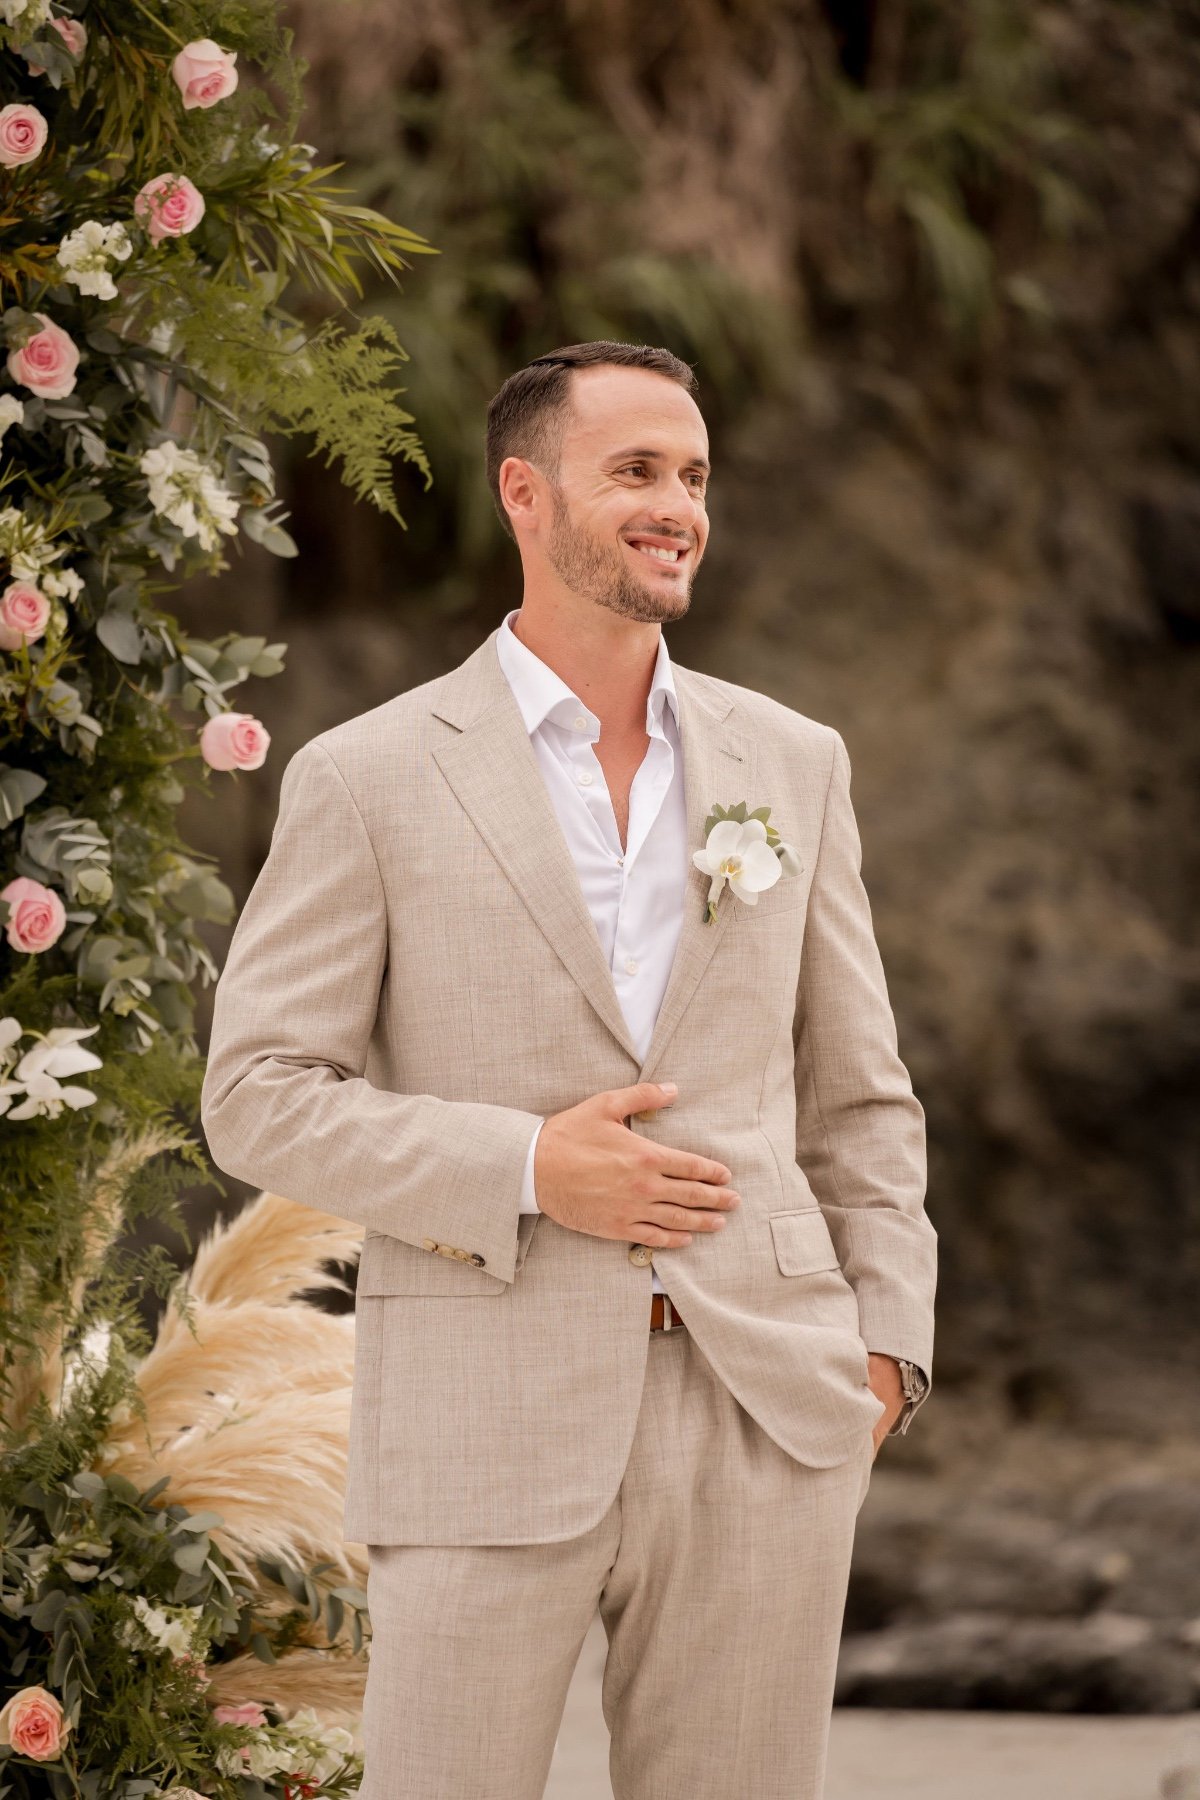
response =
{"points": [[674, 501]]}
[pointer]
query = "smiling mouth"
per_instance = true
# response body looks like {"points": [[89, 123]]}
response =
{"points": [[667, 559]]}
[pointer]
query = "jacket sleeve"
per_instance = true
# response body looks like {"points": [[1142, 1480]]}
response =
{"points": [[860, 1130], [285, 1104]]}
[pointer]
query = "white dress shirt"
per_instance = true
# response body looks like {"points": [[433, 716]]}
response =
{"points": [[635, 896]]}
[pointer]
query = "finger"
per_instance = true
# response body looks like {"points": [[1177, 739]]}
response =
{"points": [[682, 1165], [687, 1218], [678, 1193], [660, 1239]]}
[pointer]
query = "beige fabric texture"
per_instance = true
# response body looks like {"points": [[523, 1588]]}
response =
{"points": [[415, 979], [721, 1568]]}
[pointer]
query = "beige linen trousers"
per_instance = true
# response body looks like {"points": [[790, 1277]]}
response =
{"points": [[414, 981]]}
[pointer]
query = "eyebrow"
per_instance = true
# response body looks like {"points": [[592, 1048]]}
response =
{"points": [[695, 462]]}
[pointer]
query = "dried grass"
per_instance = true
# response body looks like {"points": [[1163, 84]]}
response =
{"points": [[248, 1414]]}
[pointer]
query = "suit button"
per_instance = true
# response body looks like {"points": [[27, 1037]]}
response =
{"points": [[641, 1254], [429, 1243], [478, 1260]]}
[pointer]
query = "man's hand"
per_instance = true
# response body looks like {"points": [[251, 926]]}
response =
{"points": [[883, 1378], [592, 1174]]}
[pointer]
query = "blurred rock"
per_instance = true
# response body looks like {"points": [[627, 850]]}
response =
{"points": [[1157, 1525], [1107, 1663]]}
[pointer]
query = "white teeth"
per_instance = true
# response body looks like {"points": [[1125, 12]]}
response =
{"points": [[662, 555]]}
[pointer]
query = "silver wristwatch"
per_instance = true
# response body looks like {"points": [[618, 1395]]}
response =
{"points": [[913, 1380]]}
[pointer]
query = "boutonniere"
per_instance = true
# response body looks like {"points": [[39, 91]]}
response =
{"points": [[745, 850]]}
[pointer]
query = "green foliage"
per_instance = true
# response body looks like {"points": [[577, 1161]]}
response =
{"points": [[124, 467], [974, 113], [528, 185], [123, 1606]]}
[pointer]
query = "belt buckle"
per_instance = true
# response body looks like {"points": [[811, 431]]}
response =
{"points": [[668, 1317]]}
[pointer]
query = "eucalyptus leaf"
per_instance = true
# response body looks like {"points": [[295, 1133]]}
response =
{"points": [[192, 1557], [89, 509], [262, 530], [199, 1521], [120, 635], [294, 1582], [17, 788], [266, 664], [107, 342], [47, 1610]]}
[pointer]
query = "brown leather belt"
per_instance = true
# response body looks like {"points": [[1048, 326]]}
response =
{"points": [[664, 1318]]}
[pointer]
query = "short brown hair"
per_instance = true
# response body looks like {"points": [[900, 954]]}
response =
{"points": [[528, 415]]}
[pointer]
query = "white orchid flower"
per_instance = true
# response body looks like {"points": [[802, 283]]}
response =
{"points": [[58, 1053], [740, 855], [43, 1095]]}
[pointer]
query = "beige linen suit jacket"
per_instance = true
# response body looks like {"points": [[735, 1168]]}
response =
{"points": [[415, 980]]}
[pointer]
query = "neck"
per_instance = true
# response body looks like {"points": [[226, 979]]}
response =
{"points": [[608, 661]]}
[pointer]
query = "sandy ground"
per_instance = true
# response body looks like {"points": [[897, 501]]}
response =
{"points": [[883, 1755]]}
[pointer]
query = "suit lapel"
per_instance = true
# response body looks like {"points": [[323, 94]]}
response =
{"points": [[493, 770]]}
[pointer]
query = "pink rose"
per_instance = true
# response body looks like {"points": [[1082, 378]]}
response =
{"points": [[249, 1712], [36, 919], [234, 740], [24, 613], [73, 34], [46, 362], [22, 134], [33, 1723], [168, 206], [204, 73]]}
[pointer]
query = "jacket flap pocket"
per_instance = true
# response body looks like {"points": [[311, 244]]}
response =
{"points": [[802, 1242]]}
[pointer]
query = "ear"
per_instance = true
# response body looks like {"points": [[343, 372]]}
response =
{"points": [[522, 492]]}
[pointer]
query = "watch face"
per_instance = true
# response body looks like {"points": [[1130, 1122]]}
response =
{"points": [[914, 1379]]}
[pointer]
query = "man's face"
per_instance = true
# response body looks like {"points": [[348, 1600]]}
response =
{"points": [[629, 524]]}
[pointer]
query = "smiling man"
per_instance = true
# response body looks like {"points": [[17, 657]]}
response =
{"points": [[612, 1084]]}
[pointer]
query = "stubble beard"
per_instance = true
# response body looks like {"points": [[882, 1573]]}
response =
{"points": [[599, 574]]}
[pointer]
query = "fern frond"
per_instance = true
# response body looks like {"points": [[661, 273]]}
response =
{"points": [[338, 392]]}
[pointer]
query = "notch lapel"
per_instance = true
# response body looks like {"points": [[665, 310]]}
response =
{"points": [[493, 771]]}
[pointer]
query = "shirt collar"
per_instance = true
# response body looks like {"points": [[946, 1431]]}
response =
{"points": [[542, 695]]}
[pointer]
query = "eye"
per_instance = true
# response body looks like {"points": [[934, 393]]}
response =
{"points": [[630, 466]]}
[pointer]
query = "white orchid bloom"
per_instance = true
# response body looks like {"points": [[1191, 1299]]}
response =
{"points": [[44, 1095], [740, 855], [36, 1076], [58, 1053]]}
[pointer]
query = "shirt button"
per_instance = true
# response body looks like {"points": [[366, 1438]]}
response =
{"points": [[581, 724], [631, 965], [585, 778]]}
